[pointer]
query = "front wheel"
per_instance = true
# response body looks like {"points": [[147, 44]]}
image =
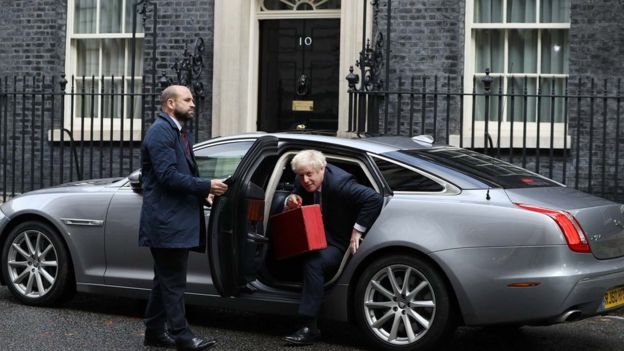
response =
{"points": [[402, 303], [35, 264]]}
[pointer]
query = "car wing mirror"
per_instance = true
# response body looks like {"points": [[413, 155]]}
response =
{"points": [[135, 182]]}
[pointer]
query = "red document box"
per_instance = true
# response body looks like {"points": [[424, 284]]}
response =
{"points": [[298, 231]]}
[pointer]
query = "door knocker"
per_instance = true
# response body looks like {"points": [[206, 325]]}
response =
{"points": [[303, 85]]}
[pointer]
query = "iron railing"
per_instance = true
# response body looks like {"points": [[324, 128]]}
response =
{"points": [[572, 136], [48, 136]]}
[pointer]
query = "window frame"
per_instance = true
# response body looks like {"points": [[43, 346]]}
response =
{"points": [[448, 189], [561, 137], [71, 66], [283, 161], [199, 150]]}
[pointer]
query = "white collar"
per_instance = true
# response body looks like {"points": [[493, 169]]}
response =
{"points": [[176, 122]]}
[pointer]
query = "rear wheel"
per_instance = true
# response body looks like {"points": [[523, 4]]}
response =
{"points": [[35, 264], [402, 303]]}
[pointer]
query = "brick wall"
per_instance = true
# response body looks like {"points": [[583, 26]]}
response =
{"points": [[32, 37], [32, 45], [596, 67], [427, 39], [179, 24]]}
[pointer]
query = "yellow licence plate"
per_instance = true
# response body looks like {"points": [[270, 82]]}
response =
{"points": [[614, 298]]}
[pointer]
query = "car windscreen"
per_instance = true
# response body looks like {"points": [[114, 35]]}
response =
{"points": [[488, 169]]}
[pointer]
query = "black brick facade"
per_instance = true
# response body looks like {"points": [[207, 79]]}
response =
{"points": [[32, 37], [427, 40]]}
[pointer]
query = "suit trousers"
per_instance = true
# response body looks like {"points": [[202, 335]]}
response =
{"points": [[165, 307], [314, 268]]}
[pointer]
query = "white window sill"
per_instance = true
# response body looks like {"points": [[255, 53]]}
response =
{"points": [[78, 135], [518, 142]]}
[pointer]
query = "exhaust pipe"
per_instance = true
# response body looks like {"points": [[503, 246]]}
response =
{"points": [[569, 316]]}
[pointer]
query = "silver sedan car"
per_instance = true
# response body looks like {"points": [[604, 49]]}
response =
{"points": [[463, 239]]}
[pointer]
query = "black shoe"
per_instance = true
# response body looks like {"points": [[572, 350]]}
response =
{"points": [[303, 336], [195, 344], [249, 289], [159, 340]]}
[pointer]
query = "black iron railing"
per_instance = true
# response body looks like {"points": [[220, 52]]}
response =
{"points": [[49, 136], [572, 136]]}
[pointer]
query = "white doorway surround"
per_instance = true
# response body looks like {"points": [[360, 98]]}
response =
{"points": [[236, 58]]}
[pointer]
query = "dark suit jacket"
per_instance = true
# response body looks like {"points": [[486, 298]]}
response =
{"points": [[344, 202], [172, 213]]}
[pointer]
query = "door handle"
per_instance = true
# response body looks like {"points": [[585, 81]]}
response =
{"points": [[257, 238]]}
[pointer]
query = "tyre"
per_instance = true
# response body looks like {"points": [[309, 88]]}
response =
{"points": [[402, 303], [35, 264]]}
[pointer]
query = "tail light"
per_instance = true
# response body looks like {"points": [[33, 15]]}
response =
{"points": [[572, 230]]}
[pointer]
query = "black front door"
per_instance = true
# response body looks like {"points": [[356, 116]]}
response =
{"points": [[299, 77]]}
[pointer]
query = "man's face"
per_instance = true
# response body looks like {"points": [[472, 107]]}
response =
{"points": [[311, 178], [183, 105]]}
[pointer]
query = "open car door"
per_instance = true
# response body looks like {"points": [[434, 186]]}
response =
{"points": [[236, 238]]}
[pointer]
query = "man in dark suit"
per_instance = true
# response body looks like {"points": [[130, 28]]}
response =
{"points": [[349, 210], [172, 219]]}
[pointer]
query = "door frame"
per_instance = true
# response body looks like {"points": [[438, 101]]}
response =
{"points": [[237, 59], [279, 84]]}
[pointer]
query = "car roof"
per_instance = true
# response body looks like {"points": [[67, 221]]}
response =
{"points": [[378, 145], [386, 145]]}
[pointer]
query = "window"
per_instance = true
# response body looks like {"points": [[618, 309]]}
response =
{"points": [[525, 45], [99, 56], [402, 179], [299, 5], [220, 161], [488, 169]]}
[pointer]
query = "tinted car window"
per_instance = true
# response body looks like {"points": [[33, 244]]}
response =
{"points": [[402, 179], [489, 169], [220, 161]]}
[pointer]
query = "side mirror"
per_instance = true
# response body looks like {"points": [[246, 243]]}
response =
{"points": [[135, 182]]}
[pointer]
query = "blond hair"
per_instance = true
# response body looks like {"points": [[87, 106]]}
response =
{"points": [[312, 158]]}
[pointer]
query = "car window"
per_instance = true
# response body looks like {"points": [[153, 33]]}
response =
{"points": [[352, 166], [220, 161], [400, 178], [486, 168]]}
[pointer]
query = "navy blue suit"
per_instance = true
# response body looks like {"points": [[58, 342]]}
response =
{"points": [[344, 202], [172, 222], [173, 194]]}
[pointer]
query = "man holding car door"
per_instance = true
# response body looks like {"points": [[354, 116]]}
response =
{"points": [[172, 219]]}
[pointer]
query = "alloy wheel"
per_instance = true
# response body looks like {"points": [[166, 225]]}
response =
{"points": [[399, 304], [32, 263]]}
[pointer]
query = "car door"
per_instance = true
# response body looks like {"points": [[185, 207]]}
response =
{"points": [[129, 265], [236, 240]]}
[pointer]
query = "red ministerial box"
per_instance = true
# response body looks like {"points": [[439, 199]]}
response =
{"points": [[298, 231]]}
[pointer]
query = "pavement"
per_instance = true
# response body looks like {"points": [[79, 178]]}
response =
{"points": [[92, 322]]}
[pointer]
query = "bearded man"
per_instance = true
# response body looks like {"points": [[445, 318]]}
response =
{"points": [[172, 219]]}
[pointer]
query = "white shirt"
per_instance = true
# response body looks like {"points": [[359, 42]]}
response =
{"points": [[176, 122]]}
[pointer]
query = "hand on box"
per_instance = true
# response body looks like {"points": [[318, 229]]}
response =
{"points": [[293, 201]]}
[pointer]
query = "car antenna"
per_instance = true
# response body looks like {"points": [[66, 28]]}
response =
{"points": [[487, 194]]}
